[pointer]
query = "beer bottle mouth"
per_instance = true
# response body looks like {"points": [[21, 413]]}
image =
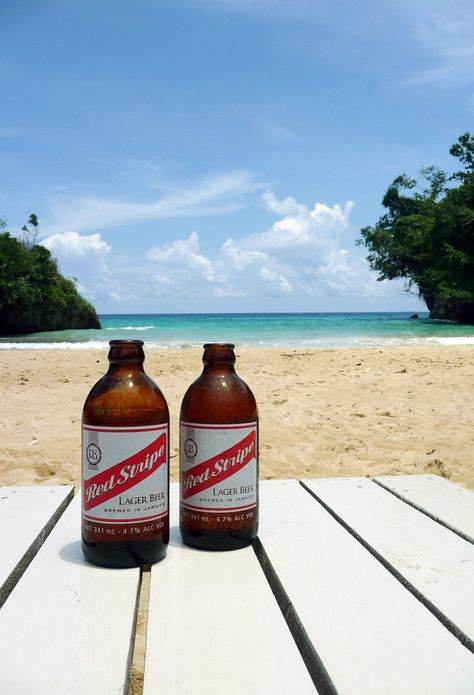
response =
{"points": [[126, 342], [126, 351], [218, 353], [217, 346]]}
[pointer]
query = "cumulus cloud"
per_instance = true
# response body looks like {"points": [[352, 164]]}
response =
{"points": [[73, 244], [183, 254], [299, 256], [239, 257], [287, 206], [277, 280], [85, 257], [302, 227], [299, 259]]}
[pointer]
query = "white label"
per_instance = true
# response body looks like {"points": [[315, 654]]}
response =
{"points": [[218, 466], [125, 473]]}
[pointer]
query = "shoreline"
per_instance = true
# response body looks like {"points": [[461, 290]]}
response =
{"points": [[323, 411], [360, 343], [274, 330]]}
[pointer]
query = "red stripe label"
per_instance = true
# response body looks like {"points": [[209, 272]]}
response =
{"points": [[216, 469], [125, 474]]}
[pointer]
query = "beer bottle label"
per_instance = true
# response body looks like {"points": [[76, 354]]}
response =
{"points": [[125, 473], [218, 466]]}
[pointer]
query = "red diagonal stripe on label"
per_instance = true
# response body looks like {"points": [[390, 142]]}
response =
{"points": [[219, 467], [125, 474]]}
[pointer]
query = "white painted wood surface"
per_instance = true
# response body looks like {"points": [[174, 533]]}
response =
{"points": [[372, 634], [214, 623], [451, 504], [437, 562], [67, 626], [214, 627], [27, 514]]}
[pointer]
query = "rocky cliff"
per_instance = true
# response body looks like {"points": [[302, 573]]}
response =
{"points": [[450, 310]]}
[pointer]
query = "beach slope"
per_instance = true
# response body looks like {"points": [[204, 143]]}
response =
{"points": [[326, 412]]}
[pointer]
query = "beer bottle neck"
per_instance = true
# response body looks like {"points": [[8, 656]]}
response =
{"points": [[221, 354], [126, 353]]}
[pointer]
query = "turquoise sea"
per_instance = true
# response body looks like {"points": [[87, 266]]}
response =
{"points": [[309, 330]]}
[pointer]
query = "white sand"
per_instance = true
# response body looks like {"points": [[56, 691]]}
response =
{"points": [[322, 412]]}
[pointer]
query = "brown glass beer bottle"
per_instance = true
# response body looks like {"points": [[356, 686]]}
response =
{"points": [[125, 464], [218, 456]]}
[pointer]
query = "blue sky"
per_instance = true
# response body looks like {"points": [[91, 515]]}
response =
{"points": [[222, 155]]}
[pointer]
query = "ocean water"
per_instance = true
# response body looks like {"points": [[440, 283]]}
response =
{"points": [[306, 330]]}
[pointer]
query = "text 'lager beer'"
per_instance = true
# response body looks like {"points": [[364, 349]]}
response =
{"points": [[125, 464], [218, 456]]}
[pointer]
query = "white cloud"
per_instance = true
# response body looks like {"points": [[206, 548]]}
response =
{"points": [[73, 244], [299, 252], [287, 206], [84, 257], [299, 259], [239, 258], [212, 196], [445, 28], [299, 255], [183, 254], [277, 280], [301, 228]]}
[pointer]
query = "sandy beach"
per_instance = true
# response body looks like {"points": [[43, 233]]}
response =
{"points": [[326, 412]]}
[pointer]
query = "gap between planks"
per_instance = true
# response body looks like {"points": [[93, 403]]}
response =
{"points": [[311, 658], [138, 645], [424, 511], [312, 661], [17, 573], [465, 640]]}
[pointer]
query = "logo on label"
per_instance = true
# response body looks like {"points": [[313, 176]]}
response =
{"points": [[190, 448], [93, 456], [125, 474], [219, 467]]}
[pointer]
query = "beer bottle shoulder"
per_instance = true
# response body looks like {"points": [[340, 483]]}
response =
{"points": [[219, 395], [125, 397]]}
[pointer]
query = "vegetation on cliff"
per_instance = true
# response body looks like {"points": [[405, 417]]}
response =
{"points": [[34, 296], [427, 236]]}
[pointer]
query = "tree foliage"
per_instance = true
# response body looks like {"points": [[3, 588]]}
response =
{"points": [[30, 231], [426, 236], [34, 296]]}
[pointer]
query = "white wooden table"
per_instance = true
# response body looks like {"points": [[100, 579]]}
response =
{"points": [[355, 586]]}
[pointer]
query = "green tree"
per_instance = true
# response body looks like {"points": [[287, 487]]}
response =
{"points": [[30, 231], [34, 296], [426, 237]]}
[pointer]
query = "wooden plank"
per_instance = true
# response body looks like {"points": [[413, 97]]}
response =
{"points": [[214, 626], [27, 515], [372, 635], [436, 562], [450, 504], [68, 626]]}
